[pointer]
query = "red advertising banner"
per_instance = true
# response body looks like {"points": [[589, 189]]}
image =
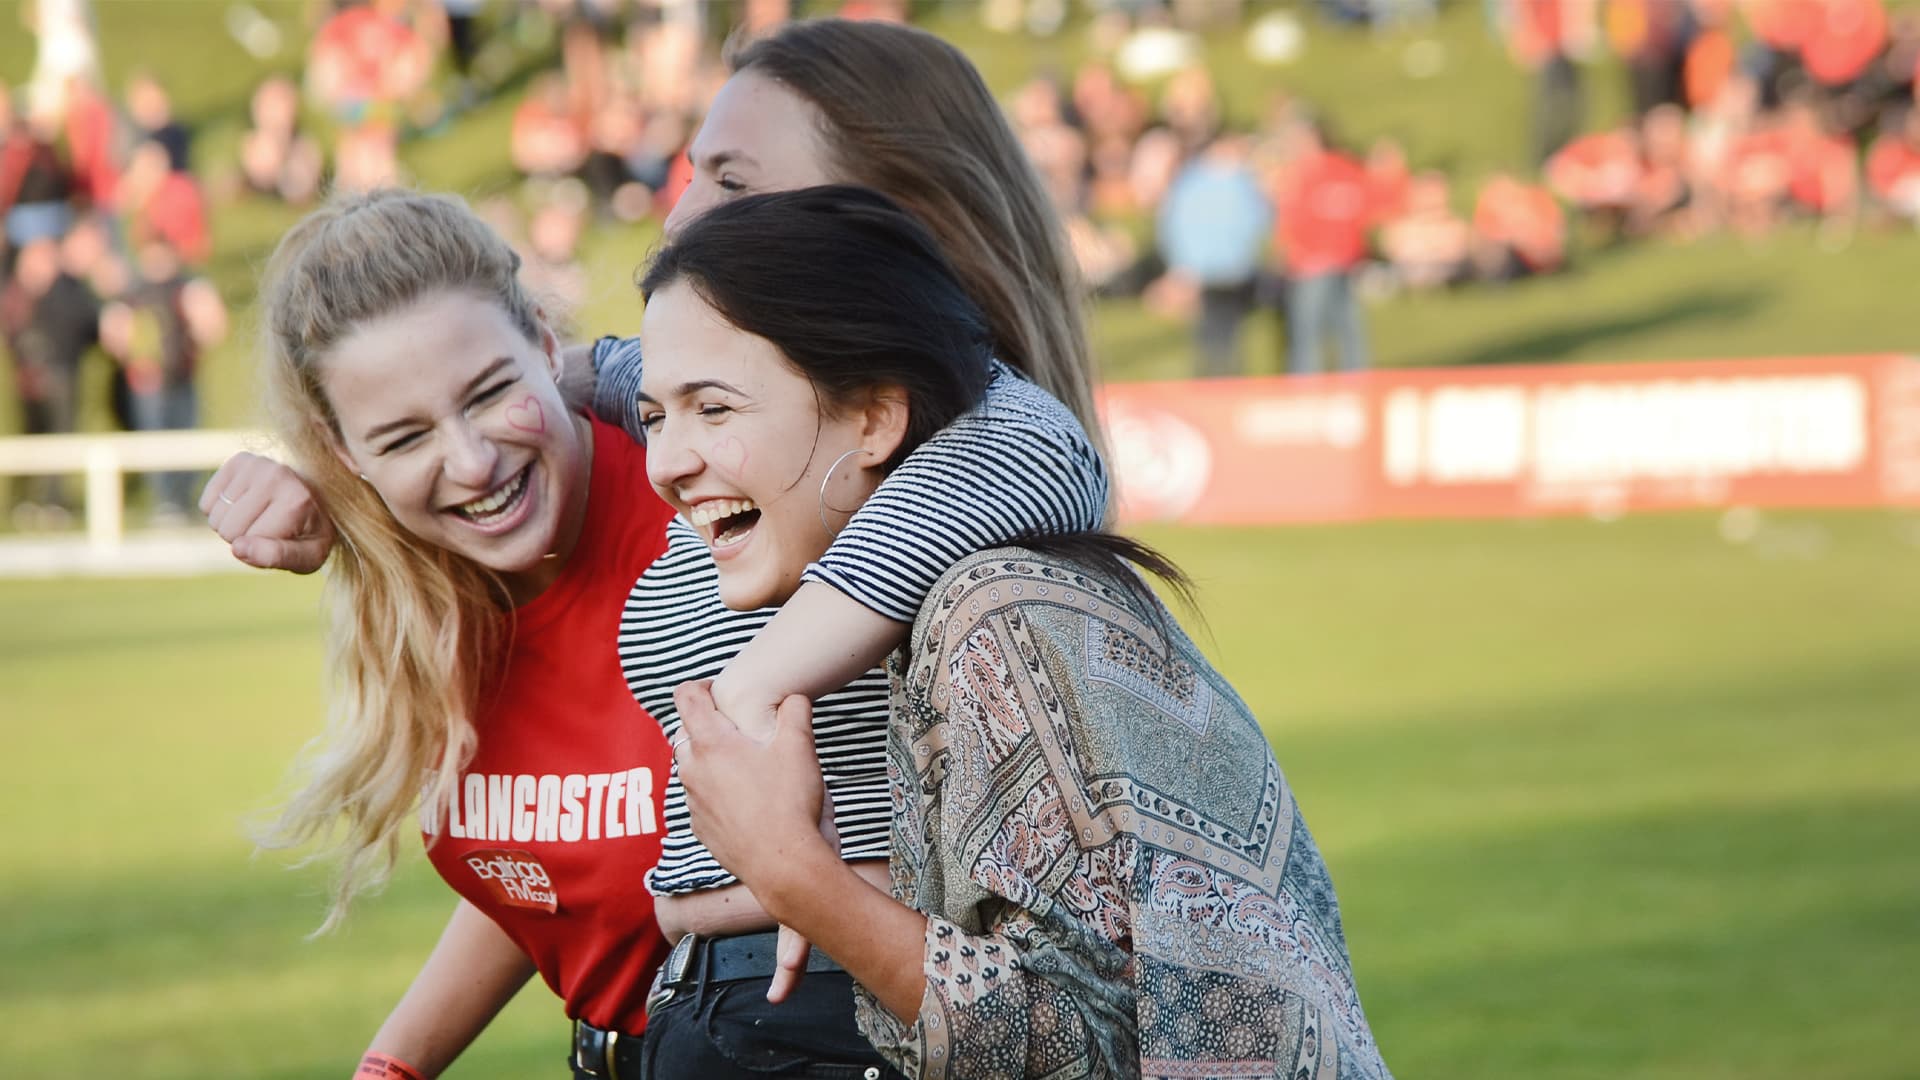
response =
{"points": [[1519, 441]]}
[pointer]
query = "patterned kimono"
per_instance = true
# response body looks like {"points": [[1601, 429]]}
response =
{"points": [[1117, 878]]}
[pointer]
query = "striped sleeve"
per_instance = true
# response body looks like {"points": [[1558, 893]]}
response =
{"points": [[1018, 465], [616, 384]]}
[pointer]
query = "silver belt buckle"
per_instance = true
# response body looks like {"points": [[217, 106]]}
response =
{"points": [[671, 973]]}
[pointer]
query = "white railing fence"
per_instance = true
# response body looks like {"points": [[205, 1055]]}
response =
{"points": [[106, 548]]}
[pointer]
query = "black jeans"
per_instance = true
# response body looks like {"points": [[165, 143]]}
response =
{"points": [[727, 1030]]}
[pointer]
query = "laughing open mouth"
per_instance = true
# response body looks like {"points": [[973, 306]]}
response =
{"points": [[494, 507], [724, 522]]}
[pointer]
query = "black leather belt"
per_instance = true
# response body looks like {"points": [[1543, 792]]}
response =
{"points": [[608, 1054], [696, 961]]}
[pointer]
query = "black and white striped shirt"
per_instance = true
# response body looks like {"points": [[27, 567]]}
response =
{"points": [[1016, 465]]}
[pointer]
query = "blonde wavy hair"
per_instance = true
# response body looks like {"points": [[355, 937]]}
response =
{"points": [[415, 629]]}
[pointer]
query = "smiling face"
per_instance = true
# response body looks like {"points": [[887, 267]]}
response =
{"points": [[739, 442], [758, 136], [453, 416]]}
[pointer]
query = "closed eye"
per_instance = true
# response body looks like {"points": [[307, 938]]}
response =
{"points": [[493, 391], [714, 412], [401, 443]]}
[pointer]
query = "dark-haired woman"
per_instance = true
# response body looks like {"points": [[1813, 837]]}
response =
{"points": [[1098, 869]]}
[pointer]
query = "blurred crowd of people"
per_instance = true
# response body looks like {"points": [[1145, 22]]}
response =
{"points": [[105, 231], [1744, 114]]}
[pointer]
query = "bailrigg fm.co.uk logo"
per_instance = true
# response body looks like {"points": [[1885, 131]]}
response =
{"points": [[516, 878]]}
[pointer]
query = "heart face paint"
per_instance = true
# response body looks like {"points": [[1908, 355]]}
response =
{"points": [[527, 415], [730, 457]]}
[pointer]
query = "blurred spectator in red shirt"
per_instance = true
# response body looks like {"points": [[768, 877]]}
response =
{"points": [[365, 63], [1843, 39], [1823, 172], [1711, 60], [1597, 174], [1518, 230], [165, 204], [92, 144], [1757, 171], [1324, 212], [1893, 168], [549, 140], [1427, 244]]}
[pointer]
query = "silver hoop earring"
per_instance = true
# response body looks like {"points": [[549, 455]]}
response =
{"points": [[828, 479]]}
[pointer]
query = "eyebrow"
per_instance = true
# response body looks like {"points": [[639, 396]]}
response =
{"points": [[686, 388], [721, 158], [466, 391]]}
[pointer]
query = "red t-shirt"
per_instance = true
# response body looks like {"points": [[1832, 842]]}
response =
{"points": [[1893, 162], [1847, 38], [561, 813], [177, 213], [1324, 215]]}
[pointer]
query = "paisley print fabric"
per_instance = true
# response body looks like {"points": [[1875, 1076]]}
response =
{"points": [[1117, 878]]}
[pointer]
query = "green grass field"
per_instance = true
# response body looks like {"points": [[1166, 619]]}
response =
{"points": [[1601, 800]]}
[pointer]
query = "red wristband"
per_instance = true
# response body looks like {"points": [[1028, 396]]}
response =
{"points": [[378, 1066]]}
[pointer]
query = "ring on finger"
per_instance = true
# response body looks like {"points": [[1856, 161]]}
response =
{"points": [[226, 498]]}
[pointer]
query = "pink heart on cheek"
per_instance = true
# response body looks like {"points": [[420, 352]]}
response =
{"points": [[527, 416], [729, 457]]}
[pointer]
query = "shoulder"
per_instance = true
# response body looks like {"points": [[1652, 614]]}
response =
{"points": [[1042, 592], [622, 500]]}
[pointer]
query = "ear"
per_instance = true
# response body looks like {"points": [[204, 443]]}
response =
{"points": [[883, 423], [549, 344]]}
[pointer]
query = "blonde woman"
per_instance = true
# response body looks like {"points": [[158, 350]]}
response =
{"points": [[483, 541]]}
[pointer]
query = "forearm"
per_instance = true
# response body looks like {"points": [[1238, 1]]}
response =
{"points": [[881, 942], [577, 378], [821, 640], [470, 975]]}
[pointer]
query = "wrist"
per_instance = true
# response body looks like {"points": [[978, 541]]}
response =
{"points": [[808, 877], [375, 1065], [751, 707]]}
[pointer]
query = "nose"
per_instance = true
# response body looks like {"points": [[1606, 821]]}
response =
{"points": [[672, 461], [471, 457], [695, 199]]}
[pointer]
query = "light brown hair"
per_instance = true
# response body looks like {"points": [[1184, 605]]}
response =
{"points": [[908, 115]]}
